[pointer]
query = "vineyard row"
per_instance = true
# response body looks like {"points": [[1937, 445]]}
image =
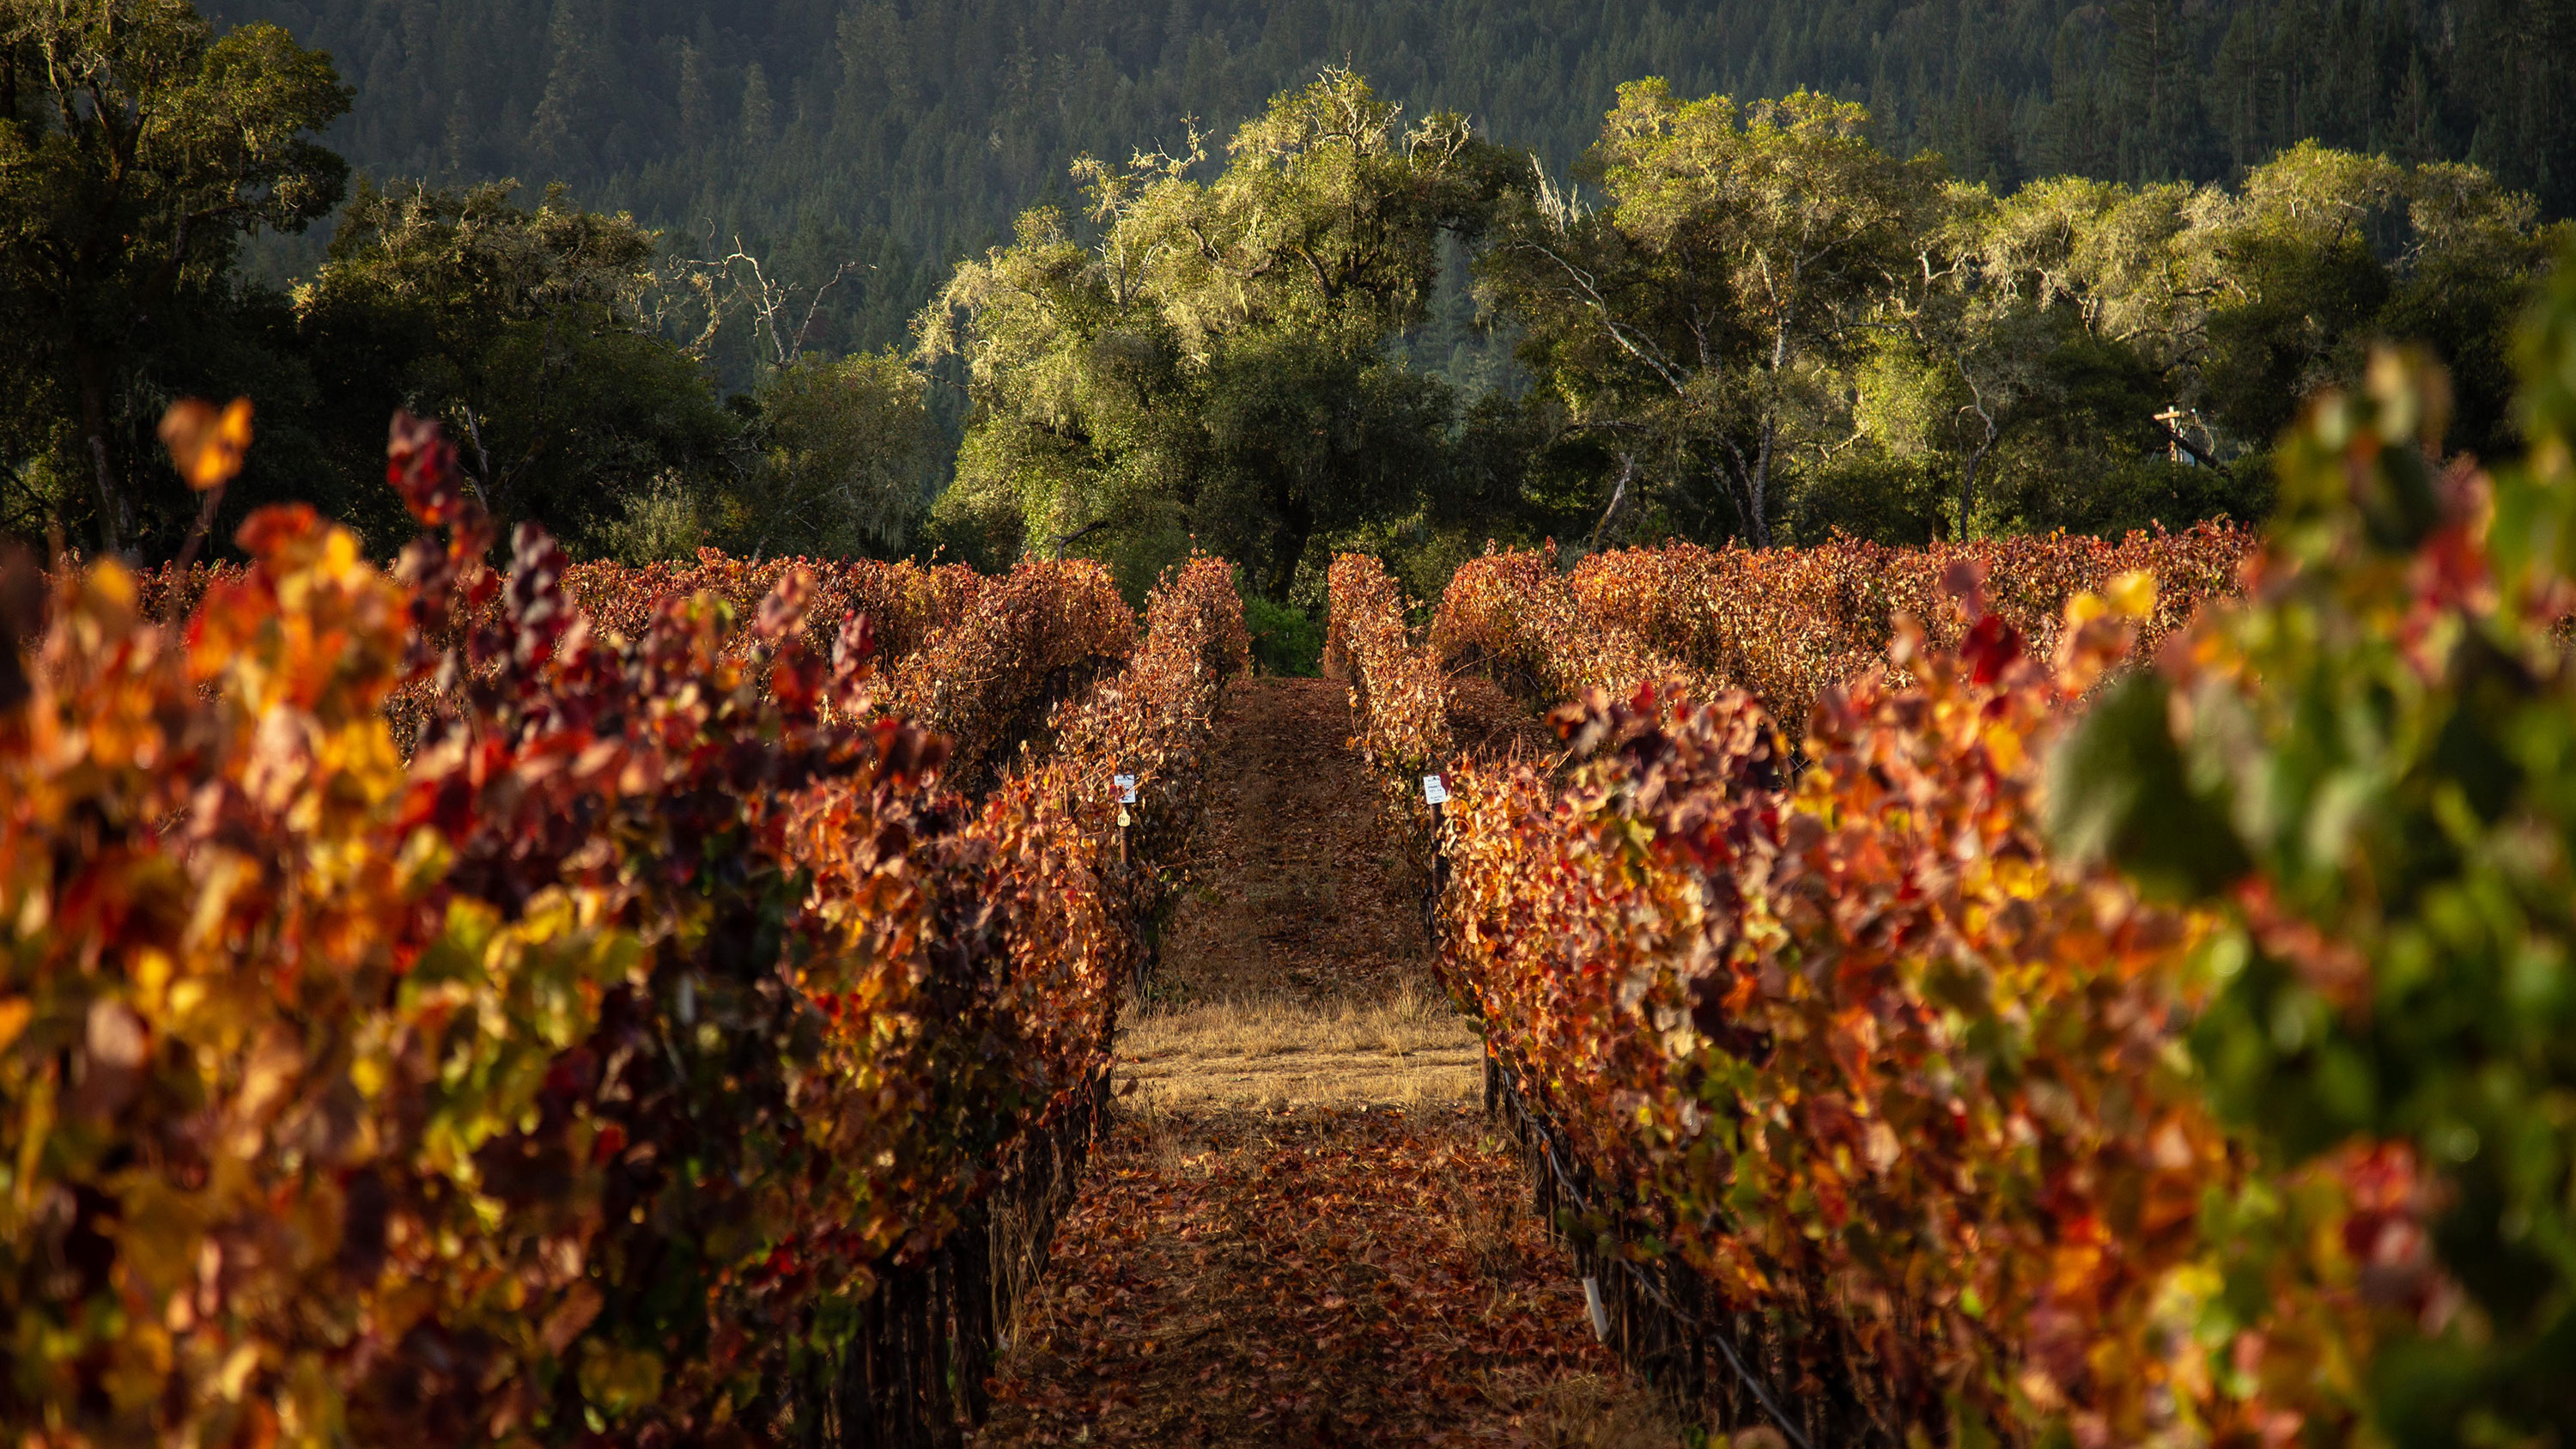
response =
{"points": [[2047, 1042], [1786, 625], [645, 1040]]}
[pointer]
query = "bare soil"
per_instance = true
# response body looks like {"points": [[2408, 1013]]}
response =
{"points": [[1302, 1230]]}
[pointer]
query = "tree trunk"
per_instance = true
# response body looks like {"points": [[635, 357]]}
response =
{"points": [[1968, 487], [1627, 470], [205, 525], [1296, 525], [114, 520], [1758, 487]]}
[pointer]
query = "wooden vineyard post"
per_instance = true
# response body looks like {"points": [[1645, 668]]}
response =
{"points": [[1126, 796], [1435, 793], [1126, 787]]}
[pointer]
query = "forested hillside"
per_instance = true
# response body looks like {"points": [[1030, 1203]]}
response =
{"points": [[847, 279], [908, 135]]}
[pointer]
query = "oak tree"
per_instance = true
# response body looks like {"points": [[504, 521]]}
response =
{"points": [[1738, 248], [137, 151], [525, 331], [1216, 362]]}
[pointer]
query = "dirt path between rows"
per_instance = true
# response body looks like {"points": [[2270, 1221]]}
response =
{"points": [[1302, 1231]]}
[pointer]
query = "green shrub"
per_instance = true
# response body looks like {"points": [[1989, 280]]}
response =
{"points": [[1285, 640]]}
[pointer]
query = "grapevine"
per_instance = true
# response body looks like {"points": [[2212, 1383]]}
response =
{"points": [[1877, 1092], [636, 1059], [1847, 1047], [1398, 696], [1787, 624], [1512, 614], [1151, 723], [1031, 638]]}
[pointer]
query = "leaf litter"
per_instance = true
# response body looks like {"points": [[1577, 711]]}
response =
{"points": [[1322, 1276], [1252, 1263]]}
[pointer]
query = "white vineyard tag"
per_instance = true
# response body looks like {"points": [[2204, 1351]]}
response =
{"points": [[1435, 791], [1126, 788]]}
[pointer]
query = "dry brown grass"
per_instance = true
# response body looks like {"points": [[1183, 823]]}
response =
{"points": [[1281, 1052], [1605, 1411]]}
